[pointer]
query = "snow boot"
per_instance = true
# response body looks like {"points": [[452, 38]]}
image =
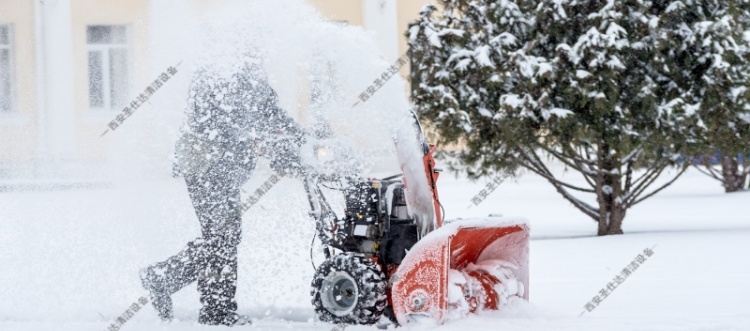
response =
{"points": [[160, 298]]}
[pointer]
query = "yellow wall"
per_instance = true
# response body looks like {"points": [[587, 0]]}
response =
{"points": [[408, 12], [133, 13], [18, 130], [351, 11], [340, 10]]}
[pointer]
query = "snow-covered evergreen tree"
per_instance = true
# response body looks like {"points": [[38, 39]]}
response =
{"points": [[579, 81], [709, 42]]}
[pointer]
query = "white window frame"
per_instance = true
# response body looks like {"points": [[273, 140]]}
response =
{"points": [[106, 82], [12, 65]]}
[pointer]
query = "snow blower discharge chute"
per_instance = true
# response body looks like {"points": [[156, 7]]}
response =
{"points": [[381, 258]]}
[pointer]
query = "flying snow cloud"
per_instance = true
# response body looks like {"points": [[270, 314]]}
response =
{"points": [[317, 67]]}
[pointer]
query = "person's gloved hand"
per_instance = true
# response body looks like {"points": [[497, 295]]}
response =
{"points": [[285, 156], [299, 135]]}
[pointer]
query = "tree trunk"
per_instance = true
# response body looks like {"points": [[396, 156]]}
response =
{"points": [[613, 225], [733, 178], [611, 211], [609, 195]]}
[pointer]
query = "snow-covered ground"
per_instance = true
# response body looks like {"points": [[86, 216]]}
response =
{"points": [[69, 259]]}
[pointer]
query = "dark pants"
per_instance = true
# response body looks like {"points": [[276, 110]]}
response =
{"points": [[211, 259]]}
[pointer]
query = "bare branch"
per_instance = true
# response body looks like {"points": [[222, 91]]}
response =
{"points": [[578, 157], [557, 181], [576, 165], [713, 173], [584, 159], [629, 174], [588, 155], [582, 206], [685, 168], [560, 157], [709, 173], [650, 172], [536, 165], [590, 181], [587, 172], [531, 161], [644, 185], [633, 155]]}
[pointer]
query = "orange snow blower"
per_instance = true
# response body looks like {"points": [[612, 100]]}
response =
{"points": [[385, 257]]}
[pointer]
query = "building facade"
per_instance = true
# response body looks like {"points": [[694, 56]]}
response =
{"points": [[68, 66]]}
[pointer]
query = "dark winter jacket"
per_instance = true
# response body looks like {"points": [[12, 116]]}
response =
{"points": [[229, 117]]}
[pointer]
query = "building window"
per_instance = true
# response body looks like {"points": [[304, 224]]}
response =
{"points": [[108, 66], [6, 65]]}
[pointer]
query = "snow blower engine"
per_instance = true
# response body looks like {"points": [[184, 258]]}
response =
{"points": [[383, 259]]}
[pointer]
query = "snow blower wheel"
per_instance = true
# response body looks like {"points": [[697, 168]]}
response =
{"points": [[350, 289]]}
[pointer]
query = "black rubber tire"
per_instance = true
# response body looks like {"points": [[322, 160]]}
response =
{"points": [[370, 284], [390, 315]]}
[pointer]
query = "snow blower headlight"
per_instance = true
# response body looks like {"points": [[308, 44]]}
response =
{"points": [[324, 154]]}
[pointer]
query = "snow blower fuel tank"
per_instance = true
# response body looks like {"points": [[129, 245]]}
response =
{"points": [[377, 221]]}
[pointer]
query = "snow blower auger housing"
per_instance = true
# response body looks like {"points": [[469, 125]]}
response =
{"points": [[380, 260]]}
